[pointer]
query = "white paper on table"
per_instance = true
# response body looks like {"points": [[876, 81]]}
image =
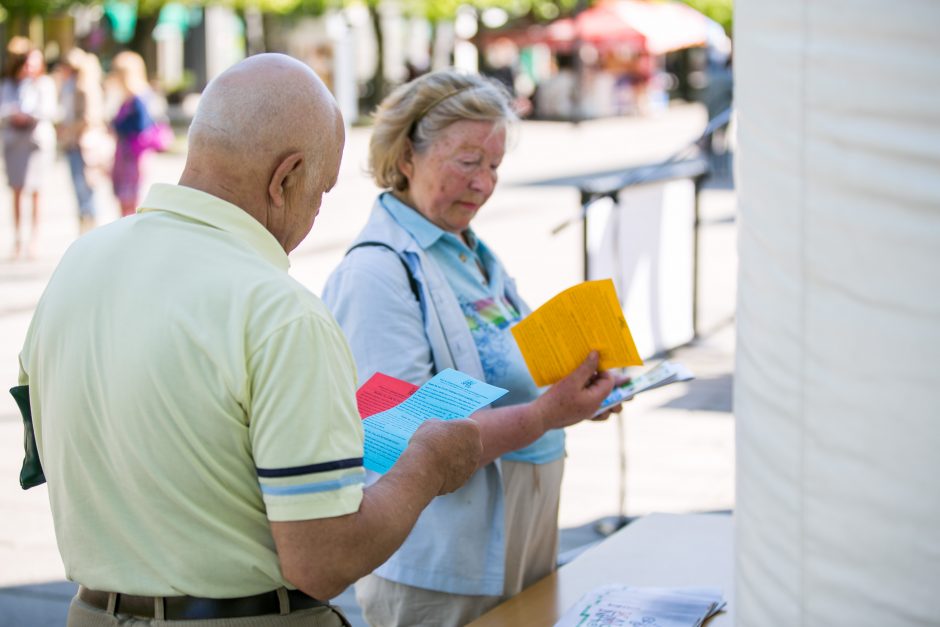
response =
{"points": [[631, 606]]}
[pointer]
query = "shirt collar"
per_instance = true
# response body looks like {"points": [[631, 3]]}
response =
{"points": [[217, 213], [424, 232]]}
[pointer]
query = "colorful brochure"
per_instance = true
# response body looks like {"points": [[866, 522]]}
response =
{"points": [[624, 606], [555, 338], [665, 373], [449, 395]]}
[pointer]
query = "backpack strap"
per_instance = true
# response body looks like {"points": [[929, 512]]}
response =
{"points": [[412, 281], [415, 288]]}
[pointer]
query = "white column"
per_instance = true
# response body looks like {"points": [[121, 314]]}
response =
{"points": [[344, 66], [837, 390], [225, 40]]}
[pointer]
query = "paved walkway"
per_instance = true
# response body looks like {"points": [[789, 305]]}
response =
{"points": [[673, 446]]}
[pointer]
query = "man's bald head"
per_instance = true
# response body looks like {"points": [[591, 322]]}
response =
{"points": [[264, 105], [249, 119]]}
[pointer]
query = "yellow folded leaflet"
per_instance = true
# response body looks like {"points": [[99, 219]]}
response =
{"points": [[555, 338]]}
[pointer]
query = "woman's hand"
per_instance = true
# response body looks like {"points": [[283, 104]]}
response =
{"points": [[613, 409], [576, 397]]}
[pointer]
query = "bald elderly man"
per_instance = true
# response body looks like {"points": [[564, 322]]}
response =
{"points": [[194, 407]]}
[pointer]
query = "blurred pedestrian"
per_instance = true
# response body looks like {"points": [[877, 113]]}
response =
{"points": [[27, 109], [555, 96], [83, 133], [718, 97], [134, 128]]}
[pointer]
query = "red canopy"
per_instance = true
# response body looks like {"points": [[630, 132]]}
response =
{"points": [[599, 26], [657, 27]]}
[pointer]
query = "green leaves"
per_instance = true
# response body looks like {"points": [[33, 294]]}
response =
{"points": [[722, 11], [37, 7]]}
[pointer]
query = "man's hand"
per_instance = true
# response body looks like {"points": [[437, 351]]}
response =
{"points": [[454, 447], [576, 397]]}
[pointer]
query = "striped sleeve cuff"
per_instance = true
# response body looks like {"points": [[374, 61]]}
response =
{"points": [[321, 490]]}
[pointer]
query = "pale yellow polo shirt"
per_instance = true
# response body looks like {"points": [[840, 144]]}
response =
{"points": [[185, 391]]}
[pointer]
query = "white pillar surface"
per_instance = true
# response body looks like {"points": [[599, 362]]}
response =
{"points": [[837, 384]]}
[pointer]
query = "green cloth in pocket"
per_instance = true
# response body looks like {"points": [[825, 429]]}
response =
{"points": [[31, 474]]}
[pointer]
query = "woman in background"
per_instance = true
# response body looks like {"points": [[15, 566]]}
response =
{"points": [[27, 109], [82, 129], [132, 126]]}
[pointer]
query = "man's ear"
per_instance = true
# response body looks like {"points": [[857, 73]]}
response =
{"points": [[279, 180]]}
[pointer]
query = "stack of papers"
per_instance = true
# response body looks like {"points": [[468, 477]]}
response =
{"points": [[626, 606], [665, 373], [382, 392], [392, 410]]}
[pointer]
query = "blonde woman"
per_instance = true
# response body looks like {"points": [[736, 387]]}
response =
{"points": [[419, 292], [131, 126]]}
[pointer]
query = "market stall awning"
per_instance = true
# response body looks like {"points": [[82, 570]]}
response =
{"points": [[656, 27], [667, 26], [599, 26]]}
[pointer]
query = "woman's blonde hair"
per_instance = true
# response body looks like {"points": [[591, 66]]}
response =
{"points": [[413, 116], [129, 68], [74, 59]]}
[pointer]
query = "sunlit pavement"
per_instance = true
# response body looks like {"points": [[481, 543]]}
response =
{"points": [[671, 451]]}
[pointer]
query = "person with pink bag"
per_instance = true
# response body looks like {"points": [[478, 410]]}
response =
{"points": [[136, 131]]}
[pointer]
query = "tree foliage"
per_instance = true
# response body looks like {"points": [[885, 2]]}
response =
{"points": [[34, 7], [722, 11], [28, 8], [436, 10], [146, 7]]}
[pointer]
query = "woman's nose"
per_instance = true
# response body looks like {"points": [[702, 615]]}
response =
{"points": [[484, 181]]}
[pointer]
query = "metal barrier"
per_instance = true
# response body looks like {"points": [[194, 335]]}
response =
{"points": [[694, 162]]}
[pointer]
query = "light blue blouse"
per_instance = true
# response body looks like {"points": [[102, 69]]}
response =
{"points": [[457, 545], [478, 280]]}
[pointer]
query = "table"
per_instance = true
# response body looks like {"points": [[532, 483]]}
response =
{"points": [[656, 550]]}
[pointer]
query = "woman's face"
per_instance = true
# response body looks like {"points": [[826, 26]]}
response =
{"points": [[454, 176], [33, 65]]}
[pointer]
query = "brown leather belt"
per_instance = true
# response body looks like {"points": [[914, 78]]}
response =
{"points": [[195, 608]]}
